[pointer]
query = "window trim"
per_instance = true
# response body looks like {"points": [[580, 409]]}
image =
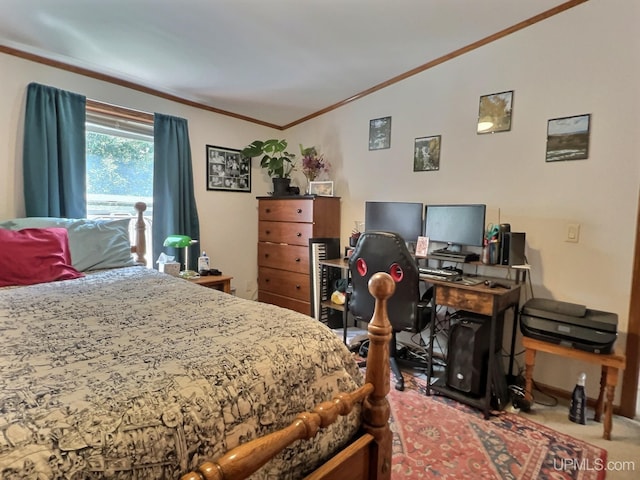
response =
{"points": [[97, 107]]}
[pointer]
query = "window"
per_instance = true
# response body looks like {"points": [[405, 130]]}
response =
{"points": [[119, 164]]}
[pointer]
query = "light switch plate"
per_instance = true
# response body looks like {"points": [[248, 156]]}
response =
{"points": [[573, 232]]}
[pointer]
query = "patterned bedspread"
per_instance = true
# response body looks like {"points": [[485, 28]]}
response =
{"points": [[133, 374]]}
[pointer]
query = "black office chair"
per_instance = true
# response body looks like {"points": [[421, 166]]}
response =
{"points": [[387, 252]]}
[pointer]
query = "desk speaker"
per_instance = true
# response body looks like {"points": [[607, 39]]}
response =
{"points": [[468, 357], [512, 248]]}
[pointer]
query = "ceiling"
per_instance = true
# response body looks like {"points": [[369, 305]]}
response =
{"points": [[275, 61]]}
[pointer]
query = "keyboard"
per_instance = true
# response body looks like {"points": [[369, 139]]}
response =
{"points": [[462, 257], [439, 273]]}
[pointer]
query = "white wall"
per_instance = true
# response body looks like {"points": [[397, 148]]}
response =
{"points": [[585, 60], [228, 220]]}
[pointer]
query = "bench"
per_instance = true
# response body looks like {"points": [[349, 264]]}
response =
{"points": [[610, 364]]}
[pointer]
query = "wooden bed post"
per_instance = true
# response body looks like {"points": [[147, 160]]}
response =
{"points": [[376, 406], [141, 237]]}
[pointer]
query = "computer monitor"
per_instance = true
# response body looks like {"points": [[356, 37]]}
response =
{"points": [[455, 225], [403, 218]]}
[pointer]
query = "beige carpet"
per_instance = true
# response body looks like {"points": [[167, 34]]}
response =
{"points": [[623, 450]]}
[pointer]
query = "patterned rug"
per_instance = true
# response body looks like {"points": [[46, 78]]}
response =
{"points": [[436, 437]]}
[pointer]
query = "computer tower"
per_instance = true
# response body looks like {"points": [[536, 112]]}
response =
{"points": [[468, 354], [512, 248]]}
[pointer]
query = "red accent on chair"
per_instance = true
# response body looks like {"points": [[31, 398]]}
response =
{"points": [[361, 265], [396, 272]]}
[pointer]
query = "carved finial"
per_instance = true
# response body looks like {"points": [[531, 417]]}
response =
{"points": [[381, 285]]}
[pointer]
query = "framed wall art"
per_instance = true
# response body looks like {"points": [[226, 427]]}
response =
{"points": [[568, 138], [426, 154], [494, 113], [323, 189], [380, 133], [228, 170]]}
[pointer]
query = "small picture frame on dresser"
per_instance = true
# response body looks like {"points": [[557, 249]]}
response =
{"points": [[323, 189]]}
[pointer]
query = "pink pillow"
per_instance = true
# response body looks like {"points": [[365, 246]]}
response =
{"points": [[35, 255]]}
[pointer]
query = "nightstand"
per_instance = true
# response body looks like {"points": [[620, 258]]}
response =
{"points": [[217, 282]]}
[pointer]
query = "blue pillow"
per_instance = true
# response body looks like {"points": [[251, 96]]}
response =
{"points": [[94, 244]]}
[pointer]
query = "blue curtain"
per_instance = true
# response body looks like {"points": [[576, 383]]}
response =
{"points": [[54, 153], [174, 204]]}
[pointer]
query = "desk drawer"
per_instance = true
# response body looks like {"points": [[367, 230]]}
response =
{"points": [[287, 284], [465, 299], [283, 257], [286, 210], [283, 232]]}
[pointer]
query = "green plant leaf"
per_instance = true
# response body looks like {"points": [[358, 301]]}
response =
{"points": [[253, 149]]}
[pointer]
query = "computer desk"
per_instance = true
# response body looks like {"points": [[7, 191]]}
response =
{"points": [[480, 299]]}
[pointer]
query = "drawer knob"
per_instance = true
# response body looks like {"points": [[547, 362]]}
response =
{"points": [[268, 210], [299, 210], [297, 287], [299, 234], [267, 232], [266, 255], [297, 260], [266, 280]]}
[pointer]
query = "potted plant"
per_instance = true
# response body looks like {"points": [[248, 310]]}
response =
{"points": [[275, 159]]}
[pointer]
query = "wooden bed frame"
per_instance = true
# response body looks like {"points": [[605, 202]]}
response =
{"points": [[368, 456], [139, 247], [365, 457]]}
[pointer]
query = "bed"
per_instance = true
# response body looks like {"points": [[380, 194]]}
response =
{"points": [[118, 371]]}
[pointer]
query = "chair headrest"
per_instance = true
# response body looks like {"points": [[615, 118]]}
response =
{"points": [[385, 252]]}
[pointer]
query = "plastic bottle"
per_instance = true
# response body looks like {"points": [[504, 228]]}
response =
{"points": [[203, 262], [578, 406]]}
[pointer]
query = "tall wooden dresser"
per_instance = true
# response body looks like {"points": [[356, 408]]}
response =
{"points": [[285, 225]]}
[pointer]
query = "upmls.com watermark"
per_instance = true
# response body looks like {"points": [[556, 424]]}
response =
{"points": [[598, 465]]}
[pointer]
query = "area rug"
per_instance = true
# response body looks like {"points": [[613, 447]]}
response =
{"points": [[436, 437]]}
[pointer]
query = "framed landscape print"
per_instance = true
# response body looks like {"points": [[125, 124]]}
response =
{"points": [[494, 113], [426, 154], [568, 138], [228, 170], [380, 133]]}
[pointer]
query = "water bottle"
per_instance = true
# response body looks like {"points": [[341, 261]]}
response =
{"points": [[578, 406], [203, 262]]}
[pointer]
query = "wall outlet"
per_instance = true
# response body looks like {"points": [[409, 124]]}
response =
{"points": [[573, 232]]}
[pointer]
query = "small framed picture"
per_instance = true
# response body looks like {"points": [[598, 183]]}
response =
{"points": [[380, 133], [426, 154], [323, 189], [228, 170], [422, 247], [494, 114], [568, 138]]}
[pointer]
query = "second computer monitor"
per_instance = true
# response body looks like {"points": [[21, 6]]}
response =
{"points": [[403, 218], [455, 225]]}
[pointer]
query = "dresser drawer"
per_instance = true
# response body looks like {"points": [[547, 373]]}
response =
{"points": [[283, 257], [285, 302], [287, 284], [282, 232], [286, 210]]}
